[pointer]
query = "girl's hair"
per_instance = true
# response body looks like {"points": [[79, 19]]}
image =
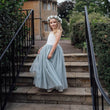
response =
{"points": [[59, 26]]}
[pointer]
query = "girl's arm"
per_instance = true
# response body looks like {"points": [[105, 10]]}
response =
{"points": [[40, 49], [58, 36]]}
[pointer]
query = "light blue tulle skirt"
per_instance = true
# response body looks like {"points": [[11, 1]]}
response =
{"points": [[49, 73]]}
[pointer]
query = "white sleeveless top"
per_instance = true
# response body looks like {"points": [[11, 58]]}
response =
{"points": [[51, 39]]}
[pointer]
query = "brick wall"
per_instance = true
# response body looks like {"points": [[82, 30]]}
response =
{"points": [[35, 5]]}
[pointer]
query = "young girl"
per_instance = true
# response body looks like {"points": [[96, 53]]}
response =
{"points": [[49, 63]]}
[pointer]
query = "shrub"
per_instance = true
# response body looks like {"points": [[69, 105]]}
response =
{"points": [[65, 27], [100, 29], [10, 20]]}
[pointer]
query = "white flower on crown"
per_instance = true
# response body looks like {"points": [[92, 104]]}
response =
{"points": [[54, 16]]}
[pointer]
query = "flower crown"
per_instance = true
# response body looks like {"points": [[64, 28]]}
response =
{"points": [[55, 17]]}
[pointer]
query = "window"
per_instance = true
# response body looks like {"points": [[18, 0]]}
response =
{"points": [[45, 6], [49, 6], [53, 6], [45, 27]]}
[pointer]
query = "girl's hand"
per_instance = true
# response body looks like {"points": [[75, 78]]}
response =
{"points": [[39, 50], [49, 56]]}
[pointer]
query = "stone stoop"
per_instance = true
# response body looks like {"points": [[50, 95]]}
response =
{"points": [[78, 81]]}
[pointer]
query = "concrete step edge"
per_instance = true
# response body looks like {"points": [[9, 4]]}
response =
{"points": [[65, 55], [68, 92], [69, 75], [66, 64]]}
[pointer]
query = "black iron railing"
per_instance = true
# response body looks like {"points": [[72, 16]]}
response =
{"points": [[99, 97], [12, 59]]}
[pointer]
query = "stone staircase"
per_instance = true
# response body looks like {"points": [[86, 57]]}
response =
{"points": [[78, 81], [77, 94]]}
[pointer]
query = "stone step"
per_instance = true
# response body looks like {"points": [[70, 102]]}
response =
{"points": [[69, 96], [70, 66], [78, 57], [75, 79], [34, 106]]}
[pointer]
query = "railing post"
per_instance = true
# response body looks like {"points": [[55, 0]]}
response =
{"points": [[33, 42]]}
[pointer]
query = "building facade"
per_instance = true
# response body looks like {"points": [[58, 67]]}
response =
{"points": [[42, 9]]}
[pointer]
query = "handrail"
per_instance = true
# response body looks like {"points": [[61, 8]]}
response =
{"points": [[13, 57], [93, 68]]}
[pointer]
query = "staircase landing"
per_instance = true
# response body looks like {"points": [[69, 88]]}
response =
{"points": [[65, 44]]}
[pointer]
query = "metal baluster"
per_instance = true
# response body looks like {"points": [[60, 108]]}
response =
{"points": [[5, 88], [102, 102], [33, 41], [1, 101], [10, 68], [29, 32], [17, 50], [13, 62], [25, 38]]}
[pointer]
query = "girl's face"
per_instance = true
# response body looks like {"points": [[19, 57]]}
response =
{"points": [[53, 23]]}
